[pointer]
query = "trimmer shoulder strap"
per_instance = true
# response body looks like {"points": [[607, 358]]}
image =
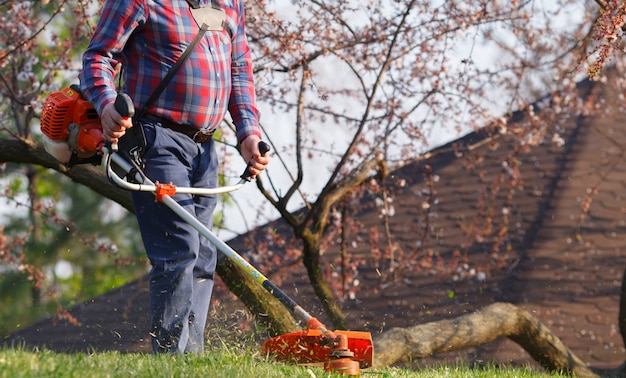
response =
{"points": [[170, 74], [212, 16], [134, 142]]}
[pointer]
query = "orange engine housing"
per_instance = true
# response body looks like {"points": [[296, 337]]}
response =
{"points": [[64, 108], [71, 127]]}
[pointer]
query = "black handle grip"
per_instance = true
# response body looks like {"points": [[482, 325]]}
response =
{"points": [[124, 106], [264, 148]]}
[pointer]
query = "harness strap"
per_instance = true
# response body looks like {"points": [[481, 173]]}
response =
{"points": [[170, 74]]}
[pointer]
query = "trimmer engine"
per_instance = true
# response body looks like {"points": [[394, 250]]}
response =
{"points": [[71, 126]]}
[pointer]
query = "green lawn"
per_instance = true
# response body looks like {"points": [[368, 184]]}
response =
{"points": [[226, 362]]}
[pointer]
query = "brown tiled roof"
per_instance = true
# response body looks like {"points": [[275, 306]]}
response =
{"points": [[563, 268]]}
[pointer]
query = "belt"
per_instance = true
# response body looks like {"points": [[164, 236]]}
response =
{"points": [[198, 136]]}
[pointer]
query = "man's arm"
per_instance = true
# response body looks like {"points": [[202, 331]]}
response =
{"points": [[242, 102], [117, 22]]}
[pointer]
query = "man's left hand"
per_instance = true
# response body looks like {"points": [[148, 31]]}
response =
{"points": [[251, 154]]}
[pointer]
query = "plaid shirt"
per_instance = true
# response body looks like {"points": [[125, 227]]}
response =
{"points": [[147, 37]]}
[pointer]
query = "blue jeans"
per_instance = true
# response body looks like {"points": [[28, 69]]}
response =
{"points": [[183, 262]]}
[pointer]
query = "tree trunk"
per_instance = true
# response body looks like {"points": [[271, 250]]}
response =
{"points": [[482, 326], [311, 261], [268, 310]]}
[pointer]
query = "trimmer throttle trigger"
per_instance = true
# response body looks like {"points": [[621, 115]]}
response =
{"points": [[264, 148]]}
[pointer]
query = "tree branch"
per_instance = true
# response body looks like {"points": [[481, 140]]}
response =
{"points": [[26, 151]]}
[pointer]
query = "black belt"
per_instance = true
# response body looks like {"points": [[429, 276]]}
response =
{"points": [[198, 136]]}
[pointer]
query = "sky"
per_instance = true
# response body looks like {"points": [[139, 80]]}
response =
{"points": [[280, 127]]}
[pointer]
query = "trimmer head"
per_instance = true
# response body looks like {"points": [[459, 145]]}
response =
{"points": [[308, 346]]}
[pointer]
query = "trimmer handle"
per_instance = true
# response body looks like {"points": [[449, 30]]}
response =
{"points": [[124, 106], [264, 148]]}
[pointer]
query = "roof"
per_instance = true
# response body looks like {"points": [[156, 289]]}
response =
{"points": [[561, 259]]}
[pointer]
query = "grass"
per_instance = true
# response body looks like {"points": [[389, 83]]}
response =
{"points": [[219, 363]]}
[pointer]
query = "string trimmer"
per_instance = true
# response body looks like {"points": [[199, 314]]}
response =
{"points": [[73, 134]]}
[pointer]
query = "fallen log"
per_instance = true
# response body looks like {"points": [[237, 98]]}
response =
{"points": [[484, 325]]}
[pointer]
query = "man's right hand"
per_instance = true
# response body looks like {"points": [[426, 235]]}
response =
{"points": [[114, 125]]}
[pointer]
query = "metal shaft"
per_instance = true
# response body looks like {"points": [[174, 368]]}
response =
{"points": [[221, 245]]}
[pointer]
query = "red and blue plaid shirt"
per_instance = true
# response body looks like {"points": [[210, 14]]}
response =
{"points": [[147, 37]]}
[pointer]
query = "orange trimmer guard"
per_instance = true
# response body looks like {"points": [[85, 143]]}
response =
{"points": [[306, 346]]}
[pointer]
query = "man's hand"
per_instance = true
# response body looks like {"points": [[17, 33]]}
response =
{"points": [[252, 155], [114, 125]]}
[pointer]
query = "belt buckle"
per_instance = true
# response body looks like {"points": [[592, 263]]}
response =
{"points": [[201, 137]]}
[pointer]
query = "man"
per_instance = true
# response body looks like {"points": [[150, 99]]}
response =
{"points": [[147, 37]]}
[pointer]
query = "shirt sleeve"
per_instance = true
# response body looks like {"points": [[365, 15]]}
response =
{"points": [[103, 56], [242, 102]]}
